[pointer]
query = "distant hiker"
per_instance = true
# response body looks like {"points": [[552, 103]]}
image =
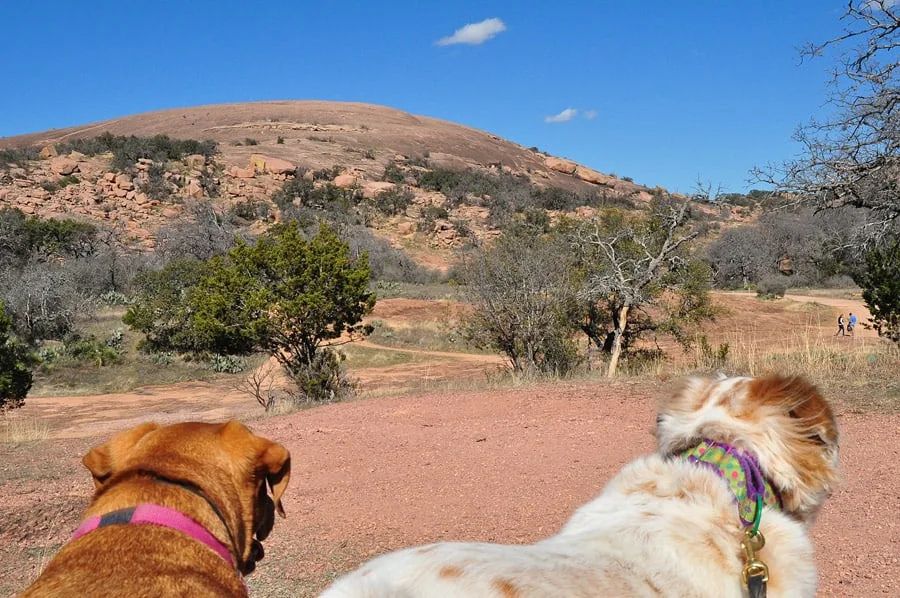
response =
{"points": [[852, 324], [841, 323]]}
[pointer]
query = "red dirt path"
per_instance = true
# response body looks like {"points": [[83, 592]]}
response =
{"points": [[500, 466]]}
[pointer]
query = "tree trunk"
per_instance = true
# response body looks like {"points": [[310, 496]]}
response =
{"points": [[621, 322]]}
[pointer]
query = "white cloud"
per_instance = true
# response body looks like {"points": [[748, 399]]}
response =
{"points": [[590, 114], [474, 33], [564, 116]]}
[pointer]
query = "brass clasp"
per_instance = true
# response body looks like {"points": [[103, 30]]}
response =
{"points": [[753, 567]]}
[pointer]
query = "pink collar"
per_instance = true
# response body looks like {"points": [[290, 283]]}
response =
{"points": [[148, 513]]}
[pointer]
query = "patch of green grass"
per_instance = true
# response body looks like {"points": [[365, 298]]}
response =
{"points": [[133, 369], [422, 336], [359, 356], [411, 290]]}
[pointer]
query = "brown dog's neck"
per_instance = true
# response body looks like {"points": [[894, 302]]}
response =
{"points": [[106, 499]]}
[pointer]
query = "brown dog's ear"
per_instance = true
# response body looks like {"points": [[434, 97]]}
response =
{"points": [[275, 462], [104, 460]]}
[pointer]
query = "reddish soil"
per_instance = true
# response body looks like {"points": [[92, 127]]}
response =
{"points": [[499, 466], [504, 465]]}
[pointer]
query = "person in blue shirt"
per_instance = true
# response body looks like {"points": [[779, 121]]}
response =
{"points": [[852, 324]]}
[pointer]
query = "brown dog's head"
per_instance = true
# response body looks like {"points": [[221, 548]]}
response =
{"points": [[233, 467], [784, 421]]}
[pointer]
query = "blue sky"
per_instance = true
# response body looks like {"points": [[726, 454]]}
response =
{"points": [[676, 90]]}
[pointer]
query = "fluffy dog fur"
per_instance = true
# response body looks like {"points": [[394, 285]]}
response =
{"points": [[663, 526], [229, 469]]}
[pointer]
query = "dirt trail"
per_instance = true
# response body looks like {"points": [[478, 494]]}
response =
{"points": [[845, 305]]}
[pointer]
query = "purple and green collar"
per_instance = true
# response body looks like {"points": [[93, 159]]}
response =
{"points": [[751, 489]]}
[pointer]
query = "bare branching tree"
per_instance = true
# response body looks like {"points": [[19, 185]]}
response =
{"points": [[853, 157], [632, 262], [521, 292], [261, 384]]}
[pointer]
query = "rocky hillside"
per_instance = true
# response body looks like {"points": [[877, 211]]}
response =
{"points": [[260, 145]]}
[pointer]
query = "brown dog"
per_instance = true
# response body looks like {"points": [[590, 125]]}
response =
{"points": [[178, 511]]}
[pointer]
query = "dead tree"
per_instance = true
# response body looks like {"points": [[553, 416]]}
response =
{"points": [[632, 262], [853, 157]]}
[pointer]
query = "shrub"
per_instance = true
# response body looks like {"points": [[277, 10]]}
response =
{"points": [[369, 154], [327, 174], [385, 262], [250, 141], [522, 308], [250, 210], [156, 187], [18, 156], [393, 174], [430, 214], [91, 349], [15, 362], [160, 308], [393, 201], [280, 140], [324, 380], [162, 358], [771, 288], [227, 364], [114, 298], [881, 288]]}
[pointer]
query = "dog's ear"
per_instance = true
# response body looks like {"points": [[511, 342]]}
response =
{"points": [[274, 462], [104, 460]]}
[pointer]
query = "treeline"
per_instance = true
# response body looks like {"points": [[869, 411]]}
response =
{"points": [[789, 248]]}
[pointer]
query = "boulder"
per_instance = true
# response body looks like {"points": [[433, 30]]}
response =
{"points": [[590, 175], [242, 173], [48, 151], [272, 165], [406, 228], [560, 165], [194, 189], [345, 180], [373, 188], [63, 166], [196, 160], [124, 181], [109, 177]]}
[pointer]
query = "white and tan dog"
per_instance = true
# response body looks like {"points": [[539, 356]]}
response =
{"points": [[669, 524]]}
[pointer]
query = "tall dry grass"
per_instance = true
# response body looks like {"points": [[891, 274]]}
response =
{"points": [[16, 430], [863, 373]]}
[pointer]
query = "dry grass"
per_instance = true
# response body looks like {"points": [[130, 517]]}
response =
{"points": [[862, 373], [17, 430]]}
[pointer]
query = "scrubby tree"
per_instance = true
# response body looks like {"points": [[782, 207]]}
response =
{"points": [[289, 296], [204, 233], [162, 309], [800, 246], [881, 288], [632, 262], [15, 375], [522, 295], [43, 300]]}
